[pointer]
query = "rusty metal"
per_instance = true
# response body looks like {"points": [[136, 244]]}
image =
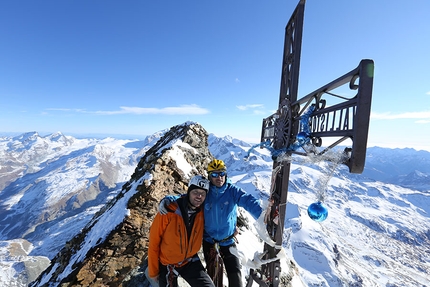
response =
{"points": [[346, 119], [280, 129]]}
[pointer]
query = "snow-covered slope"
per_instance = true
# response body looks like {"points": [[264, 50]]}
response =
{"points": [[50, 188], [377, 232]]}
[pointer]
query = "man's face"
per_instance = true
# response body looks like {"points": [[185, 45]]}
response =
{"points": [[197, 196], [217, 177]]}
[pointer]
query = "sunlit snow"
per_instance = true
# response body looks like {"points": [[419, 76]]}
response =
{"points": [[374, 232]]}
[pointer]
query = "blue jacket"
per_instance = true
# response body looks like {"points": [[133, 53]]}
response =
{"points": [[220, 211]]}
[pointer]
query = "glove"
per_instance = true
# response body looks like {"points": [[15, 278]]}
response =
{"points": [[153, 280], [162, 207]]}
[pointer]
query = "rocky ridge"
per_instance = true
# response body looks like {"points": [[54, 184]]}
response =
{"points": [[119, 258]]}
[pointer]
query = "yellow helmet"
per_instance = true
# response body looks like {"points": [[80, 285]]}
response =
{"points": [[216, 164]]}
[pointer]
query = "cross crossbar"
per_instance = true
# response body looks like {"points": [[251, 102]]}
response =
{"points": [[347, 119]]}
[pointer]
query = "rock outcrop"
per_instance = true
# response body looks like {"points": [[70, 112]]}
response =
{"points": [[118, 252]]}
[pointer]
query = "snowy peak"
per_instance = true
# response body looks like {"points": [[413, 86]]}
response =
{"points": [[387, 164], [60, 138], [27, 137], [45, 181], [415, 178]]}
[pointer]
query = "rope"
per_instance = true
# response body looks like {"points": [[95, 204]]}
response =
{"points": [[215, 266], [302, 138], [171, 275]]}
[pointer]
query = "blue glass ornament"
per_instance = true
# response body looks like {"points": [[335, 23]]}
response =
{"points": [[317, 211], [303, 138]]}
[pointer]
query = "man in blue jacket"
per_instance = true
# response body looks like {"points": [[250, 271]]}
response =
{"points": [[220, 211]]}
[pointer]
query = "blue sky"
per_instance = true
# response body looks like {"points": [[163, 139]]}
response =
{"points": [[136, 67]]}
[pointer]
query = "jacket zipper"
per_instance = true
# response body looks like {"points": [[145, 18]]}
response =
{"points": [[217, 209], [180, 238], [187, 246], [193, 233], [193, 236]]}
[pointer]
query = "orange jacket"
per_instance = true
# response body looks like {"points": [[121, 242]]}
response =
{"points": [[168, 239]]}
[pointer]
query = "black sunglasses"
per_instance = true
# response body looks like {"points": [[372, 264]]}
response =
{"points": [[216, 174]]}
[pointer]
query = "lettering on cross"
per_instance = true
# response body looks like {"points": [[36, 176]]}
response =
{"points": [[336, 120]]}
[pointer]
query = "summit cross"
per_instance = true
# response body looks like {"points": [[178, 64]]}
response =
{"points": [[299, 126]]}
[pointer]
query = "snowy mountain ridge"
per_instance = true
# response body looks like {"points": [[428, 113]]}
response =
{"points": [[377, 230]]}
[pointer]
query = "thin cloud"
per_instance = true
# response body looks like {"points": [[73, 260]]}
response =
{"points": [[259, 112], [250, 107], [423, 122], [181, 110], [422, 116], [66, 110]]}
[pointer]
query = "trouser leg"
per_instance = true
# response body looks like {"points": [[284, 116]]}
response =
{"points": [[214, 264], [195, 274], [232, 267], [230, 261]]}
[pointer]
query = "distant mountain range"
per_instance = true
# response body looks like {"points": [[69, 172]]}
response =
{"points": [[377, 232]]}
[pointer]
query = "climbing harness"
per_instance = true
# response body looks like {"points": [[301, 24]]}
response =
{"points": [[172, 273], [215, 265]]}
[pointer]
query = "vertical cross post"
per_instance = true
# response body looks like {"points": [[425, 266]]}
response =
{"points": [[285, 132], [281, 130], [347, 119]]}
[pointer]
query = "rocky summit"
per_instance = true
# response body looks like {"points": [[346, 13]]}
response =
{"points": [[99, 256]]}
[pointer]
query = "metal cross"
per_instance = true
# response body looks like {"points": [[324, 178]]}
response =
{"points": [[347, 119]]}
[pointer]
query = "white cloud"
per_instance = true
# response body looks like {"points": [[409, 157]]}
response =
{"points": [[247, 107], [66, 110], [259, 112], [423, 122], [409, 115], [180, 110]]}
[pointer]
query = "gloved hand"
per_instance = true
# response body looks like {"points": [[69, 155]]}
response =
{"points": [[162, 208], [154, 279]]}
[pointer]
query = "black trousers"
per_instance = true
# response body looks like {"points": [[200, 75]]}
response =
{"points": [[193, 272], [231, 262]]}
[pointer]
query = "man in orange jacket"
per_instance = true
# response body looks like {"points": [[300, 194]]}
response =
{"points": [[176, 237]]}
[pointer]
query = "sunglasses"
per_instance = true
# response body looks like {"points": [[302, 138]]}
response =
{"points": [[216, 174], [195, 192]]}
